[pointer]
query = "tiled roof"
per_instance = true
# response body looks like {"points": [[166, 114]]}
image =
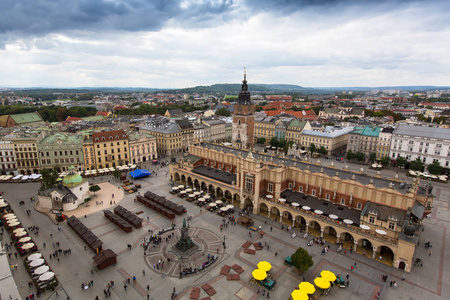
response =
{"points": [[99, 137], [364, 179], [26, 118], [215, 174], [167, 128], [421, 131], [384, 211]]}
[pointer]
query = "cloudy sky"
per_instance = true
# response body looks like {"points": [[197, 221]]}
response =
{"points": [[183, 43]]}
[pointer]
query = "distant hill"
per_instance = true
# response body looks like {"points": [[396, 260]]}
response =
{"points": [[404, 88], [232, 88]]}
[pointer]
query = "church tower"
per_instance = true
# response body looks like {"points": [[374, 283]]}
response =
{"points": [[244, 119]]}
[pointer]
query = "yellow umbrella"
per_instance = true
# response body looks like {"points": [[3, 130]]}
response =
{"points": [[328, 275], [259, 274], [265, 266], [322, 283], [299, 295], [307, 287]]}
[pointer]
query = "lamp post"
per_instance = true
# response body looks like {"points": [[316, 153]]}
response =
{"points": [[224, 237], [181, 274]]}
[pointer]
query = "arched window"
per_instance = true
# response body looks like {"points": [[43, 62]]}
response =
{"points": [[342, 201], [359, 206], [313, 192]]}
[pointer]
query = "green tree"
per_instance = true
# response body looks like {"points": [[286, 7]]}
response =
{"points": [[116, 173], [312, 148], [401, 161], [94, 188], [385, 161], [281, 143], [372, 157], [301, 260], [258, 108], [350, 155], [417, 165], [359, 156], [322, 150], [49, 177], [274, 142], [261, 140], [223, 112], [435, 168]]}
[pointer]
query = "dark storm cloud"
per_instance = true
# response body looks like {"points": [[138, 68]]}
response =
{"points": [[39, 17]]}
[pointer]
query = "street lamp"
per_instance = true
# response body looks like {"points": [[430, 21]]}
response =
{"points": [[224, 237], [181, 274]]}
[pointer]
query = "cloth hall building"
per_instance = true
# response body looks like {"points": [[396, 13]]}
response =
{"points": [[374, 216]]}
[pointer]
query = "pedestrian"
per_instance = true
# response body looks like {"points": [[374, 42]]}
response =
{"points": [[429, 254], [395, 284], [348, 275], [148, 287], [351, 268], [348, 283], [268, 295], [270, 228], [355, 266], [276, 253], [391, 283]]}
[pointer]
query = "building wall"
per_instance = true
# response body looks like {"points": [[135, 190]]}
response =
{"points": [[7, 157], [143, 149], [25, 150], [111, 152]]}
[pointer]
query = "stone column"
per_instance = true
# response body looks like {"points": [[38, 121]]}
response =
{"points": [[321, 232], [293, 222], [307, 227], [338, 235], [374, 252], [356, 244], [268, 215]]}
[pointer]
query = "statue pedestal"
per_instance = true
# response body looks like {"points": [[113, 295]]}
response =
{"points": [[185, 247]]}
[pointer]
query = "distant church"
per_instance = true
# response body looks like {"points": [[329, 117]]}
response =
{"points": [[244, 119]]}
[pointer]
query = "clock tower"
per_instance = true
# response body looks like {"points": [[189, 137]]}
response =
{"points": [[244, 119]]}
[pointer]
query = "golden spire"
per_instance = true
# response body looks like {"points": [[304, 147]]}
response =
{"points": [[245, 73]]}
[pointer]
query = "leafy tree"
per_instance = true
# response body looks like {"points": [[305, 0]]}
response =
{"points": [[49, 177], [312, 148], [372, 157], [287, 146], [274, 142], [261, 140], [401, 161], [359, 156], [385, 161], [301, 260], [435, 168], [322, 150], [94, 188], [223, 112], [350, 155], [417, 165], [116, 173], [281, 143], [258, 108]]}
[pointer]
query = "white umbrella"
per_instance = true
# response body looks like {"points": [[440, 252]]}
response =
{"points": [[3, 204], [334, 217], [41, 270], [34, 256], [318, 211], [112, 169], [10, 217], [28, 246], [183, 192], [191, 195], [174, 188], [19, 230], [14, 223], [46, 276], [37, 262], [212, 205], [306, 207], [25, 177], [282, 200], [295, 204], [219, 202], [347, 221], [230, 206], [25, 239], [365, 227], [269, 196], [197, 193], [20, 233], [223, 209], [181, 186], [207, 197], [379, 231], [188, 190], [201, 200]]}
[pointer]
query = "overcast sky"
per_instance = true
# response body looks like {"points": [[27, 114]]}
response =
{"points": [[183, 43]]}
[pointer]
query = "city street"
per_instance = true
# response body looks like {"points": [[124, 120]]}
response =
{"points": [[427, 282]]}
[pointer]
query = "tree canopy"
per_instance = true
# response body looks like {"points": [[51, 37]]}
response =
{"points": [[223, 112], [435, 168], [417, 165], [301, 260], [94, 188]]}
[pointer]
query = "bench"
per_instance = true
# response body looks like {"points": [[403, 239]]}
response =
{"points": [[195, 293], [233, 277], [225, 270], [250, 251], [247, 244]]}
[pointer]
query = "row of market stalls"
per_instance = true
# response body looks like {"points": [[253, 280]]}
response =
{"points": [[424, 175], [262, 277], [20, 178], [105, 171]]}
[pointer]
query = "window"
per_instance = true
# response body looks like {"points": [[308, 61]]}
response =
{"points": [[359, 206], [391, 225], [270, 187], [372, 219], [249, 184], [300, 189], [290, 186], [342, 201], [313, 192], [327, 196]]}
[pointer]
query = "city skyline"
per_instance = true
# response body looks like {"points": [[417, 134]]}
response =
{"points": [[177, 44]]}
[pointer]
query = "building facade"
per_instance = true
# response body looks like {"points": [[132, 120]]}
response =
{"points": [[169, 138], [61, 150], [25, 150], [304, 196], [294, 130], [111, 149], [244, 119], [216, 129], [384, 142], [333, 139], [7, 157], [142, 147], [364, 139], [426, 143]]}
